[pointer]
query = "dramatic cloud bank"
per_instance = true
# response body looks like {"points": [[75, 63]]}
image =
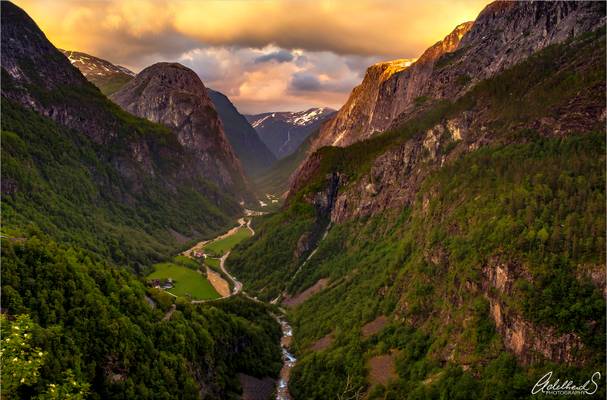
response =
{"points": [[264, 54]]}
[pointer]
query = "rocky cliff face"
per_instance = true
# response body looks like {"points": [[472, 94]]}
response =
{"points": [[174, 96], [530, 343], [33, 65], [503, 34], [25, 47], [356, 120], [115, 157], [395, 176], [386, 89]]}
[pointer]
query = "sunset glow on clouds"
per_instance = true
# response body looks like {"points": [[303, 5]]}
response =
{"points": [[264, 54]]}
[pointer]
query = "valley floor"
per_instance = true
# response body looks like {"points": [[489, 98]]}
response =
{"points": [[216, 274]]}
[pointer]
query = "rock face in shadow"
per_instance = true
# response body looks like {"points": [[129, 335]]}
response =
{"points": [[248, 146], [173, 95]]}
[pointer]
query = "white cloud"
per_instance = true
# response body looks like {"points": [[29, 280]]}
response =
{"points": [[275, 79]]}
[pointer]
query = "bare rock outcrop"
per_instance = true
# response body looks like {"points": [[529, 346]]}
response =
{"points": [[503, 34], [528, 341], [173, 95]]}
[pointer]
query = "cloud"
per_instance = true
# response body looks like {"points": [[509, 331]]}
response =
{"points": [[390, 28], [264, 54], [309, 79], [278, 56], [305, 81]]}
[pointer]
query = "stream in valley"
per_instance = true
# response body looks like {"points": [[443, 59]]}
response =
{"points": [[288, 360]]}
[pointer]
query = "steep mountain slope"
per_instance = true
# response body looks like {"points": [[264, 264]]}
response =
{"points": [[250, 149], [73, 160], [503, 34], [173, 95], [86, 188], [357, 114], [283, 132], [106, 76], [461, 253]]}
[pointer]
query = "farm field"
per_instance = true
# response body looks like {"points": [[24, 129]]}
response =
{"points": [[187, 281], [212, 262], [219, 247]]}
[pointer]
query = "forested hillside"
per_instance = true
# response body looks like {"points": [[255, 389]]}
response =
{"points": [[77, 166], [92, 318], [460, 255]]}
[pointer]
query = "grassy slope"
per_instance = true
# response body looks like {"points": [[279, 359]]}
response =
{"points": [[111, 84], [212, 262], [187, 282]]}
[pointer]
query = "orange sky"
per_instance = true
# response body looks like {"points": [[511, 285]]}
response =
{"points": [[330, 42]]}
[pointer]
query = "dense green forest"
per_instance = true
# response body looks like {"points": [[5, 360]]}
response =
{"points": [[551, 222], [92, 318]]}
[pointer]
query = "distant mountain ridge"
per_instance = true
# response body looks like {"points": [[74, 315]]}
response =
{"points": [[283, 132]]}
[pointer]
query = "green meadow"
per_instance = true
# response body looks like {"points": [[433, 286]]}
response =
{"points": [[212, 262], [187, 281], [219, 247]]}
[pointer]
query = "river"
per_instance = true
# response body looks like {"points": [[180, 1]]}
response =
{"points": [[288, 360]]}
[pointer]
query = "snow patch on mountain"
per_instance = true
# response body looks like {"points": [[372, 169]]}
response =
{"points": [[90, 65]]}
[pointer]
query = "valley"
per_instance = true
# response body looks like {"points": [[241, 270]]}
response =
{"points": [[174, 233], [202, 253]]}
